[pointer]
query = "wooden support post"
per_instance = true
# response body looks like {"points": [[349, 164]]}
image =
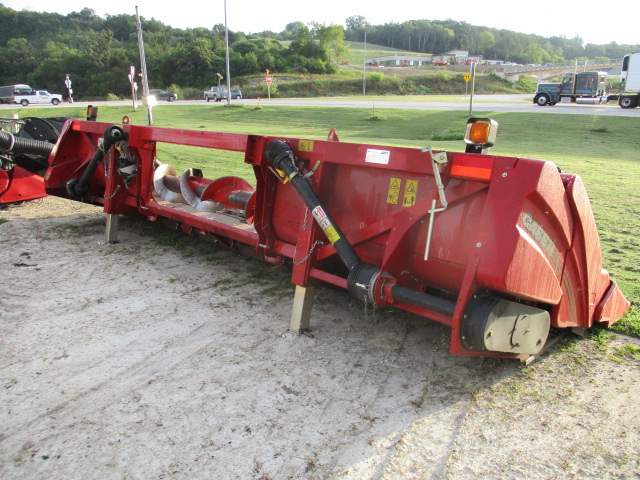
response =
{"points": [[301, 313], [112, 228]]}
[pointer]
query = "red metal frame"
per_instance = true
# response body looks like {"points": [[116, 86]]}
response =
{"points": [[514, 227]]}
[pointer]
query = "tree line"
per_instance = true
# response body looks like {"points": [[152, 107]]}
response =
{"points": [[41, 48], [439, 36]]}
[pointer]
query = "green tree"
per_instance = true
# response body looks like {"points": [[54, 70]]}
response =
{"points": [[191, 63], [305, 45], [331, 39], [19, 58], [487, 42], [123, 27], [357, 25], [534, 53], [246, 64], [292, 29]]}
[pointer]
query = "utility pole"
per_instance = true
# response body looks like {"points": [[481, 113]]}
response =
{"points": [[143, 63], [226, 41], [473, 86], [364, 66]]}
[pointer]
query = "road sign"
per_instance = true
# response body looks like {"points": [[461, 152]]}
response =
{"points": [[467, 77], [269, 79]]}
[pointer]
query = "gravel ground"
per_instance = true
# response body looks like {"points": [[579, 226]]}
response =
{"points": [[159, 357]]}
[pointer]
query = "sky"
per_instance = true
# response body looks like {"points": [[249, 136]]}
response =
{"points": [[545, 17]]}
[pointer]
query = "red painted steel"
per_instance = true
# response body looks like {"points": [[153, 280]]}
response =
{"points": [[20, 185], [514, 227]]}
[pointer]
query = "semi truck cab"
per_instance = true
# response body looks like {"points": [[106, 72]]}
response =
{"points": [[582, 87]]}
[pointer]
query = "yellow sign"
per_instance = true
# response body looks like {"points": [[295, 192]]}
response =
{"points": [[305, 146], [467, 77], [394, 190], [410, 193]]}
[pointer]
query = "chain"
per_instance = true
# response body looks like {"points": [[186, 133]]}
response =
{"points": [[313, 247]]}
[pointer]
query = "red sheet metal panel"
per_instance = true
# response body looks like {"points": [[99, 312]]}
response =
{"points": [[20, 185]]}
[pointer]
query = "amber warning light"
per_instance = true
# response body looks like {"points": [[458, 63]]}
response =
{"points": [[480, 135]]}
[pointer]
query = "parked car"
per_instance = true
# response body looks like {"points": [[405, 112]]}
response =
{"points": [[162, 95], [216, 94], [235, 94], [439, 64]]}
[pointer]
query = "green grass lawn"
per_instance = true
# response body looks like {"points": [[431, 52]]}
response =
{"points": [[602, 150], [357, 52]]}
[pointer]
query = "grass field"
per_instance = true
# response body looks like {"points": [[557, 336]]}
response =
{"points": [[357, 52], [602, 150]]}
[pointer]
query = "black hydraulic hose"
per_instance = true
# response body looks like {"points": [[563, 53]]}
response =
{"points": [[282, 158], [424, 300], [80, 187], [11, 143]]}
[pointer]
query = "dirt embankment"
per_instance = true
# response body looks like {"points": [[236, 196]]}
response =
{"points": [[141, 360]]}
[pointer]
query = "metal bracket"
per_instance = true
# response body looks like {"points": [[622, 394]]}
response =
{"points": [[313, 170], [437, 159]]}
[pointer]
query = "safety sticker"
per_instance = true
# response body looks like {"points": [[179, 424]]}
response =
{"points": [[377, 156], [393, 194], [325, 224], [332, 234], [410, 193], [305, 146]]}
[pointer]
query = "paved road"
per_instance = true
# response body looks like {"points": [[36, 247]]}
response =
{"points": [[481, 103]]}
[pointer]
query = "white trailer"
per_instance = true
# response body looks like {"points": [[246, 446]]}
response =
{"points": [[630, 78]]}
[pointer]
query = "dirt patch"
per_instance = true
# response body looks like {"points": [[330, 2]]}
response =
{"points": [[160, 357]]}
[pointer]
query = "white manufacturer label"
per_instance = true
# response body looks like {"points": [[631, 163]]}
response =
{"points": [[378, 156]]}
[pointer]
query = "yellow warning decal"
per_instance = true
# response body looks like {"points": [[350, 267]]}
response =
{"points": [[394, 190], [410, 193], [332, 234], [305, 145]]}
